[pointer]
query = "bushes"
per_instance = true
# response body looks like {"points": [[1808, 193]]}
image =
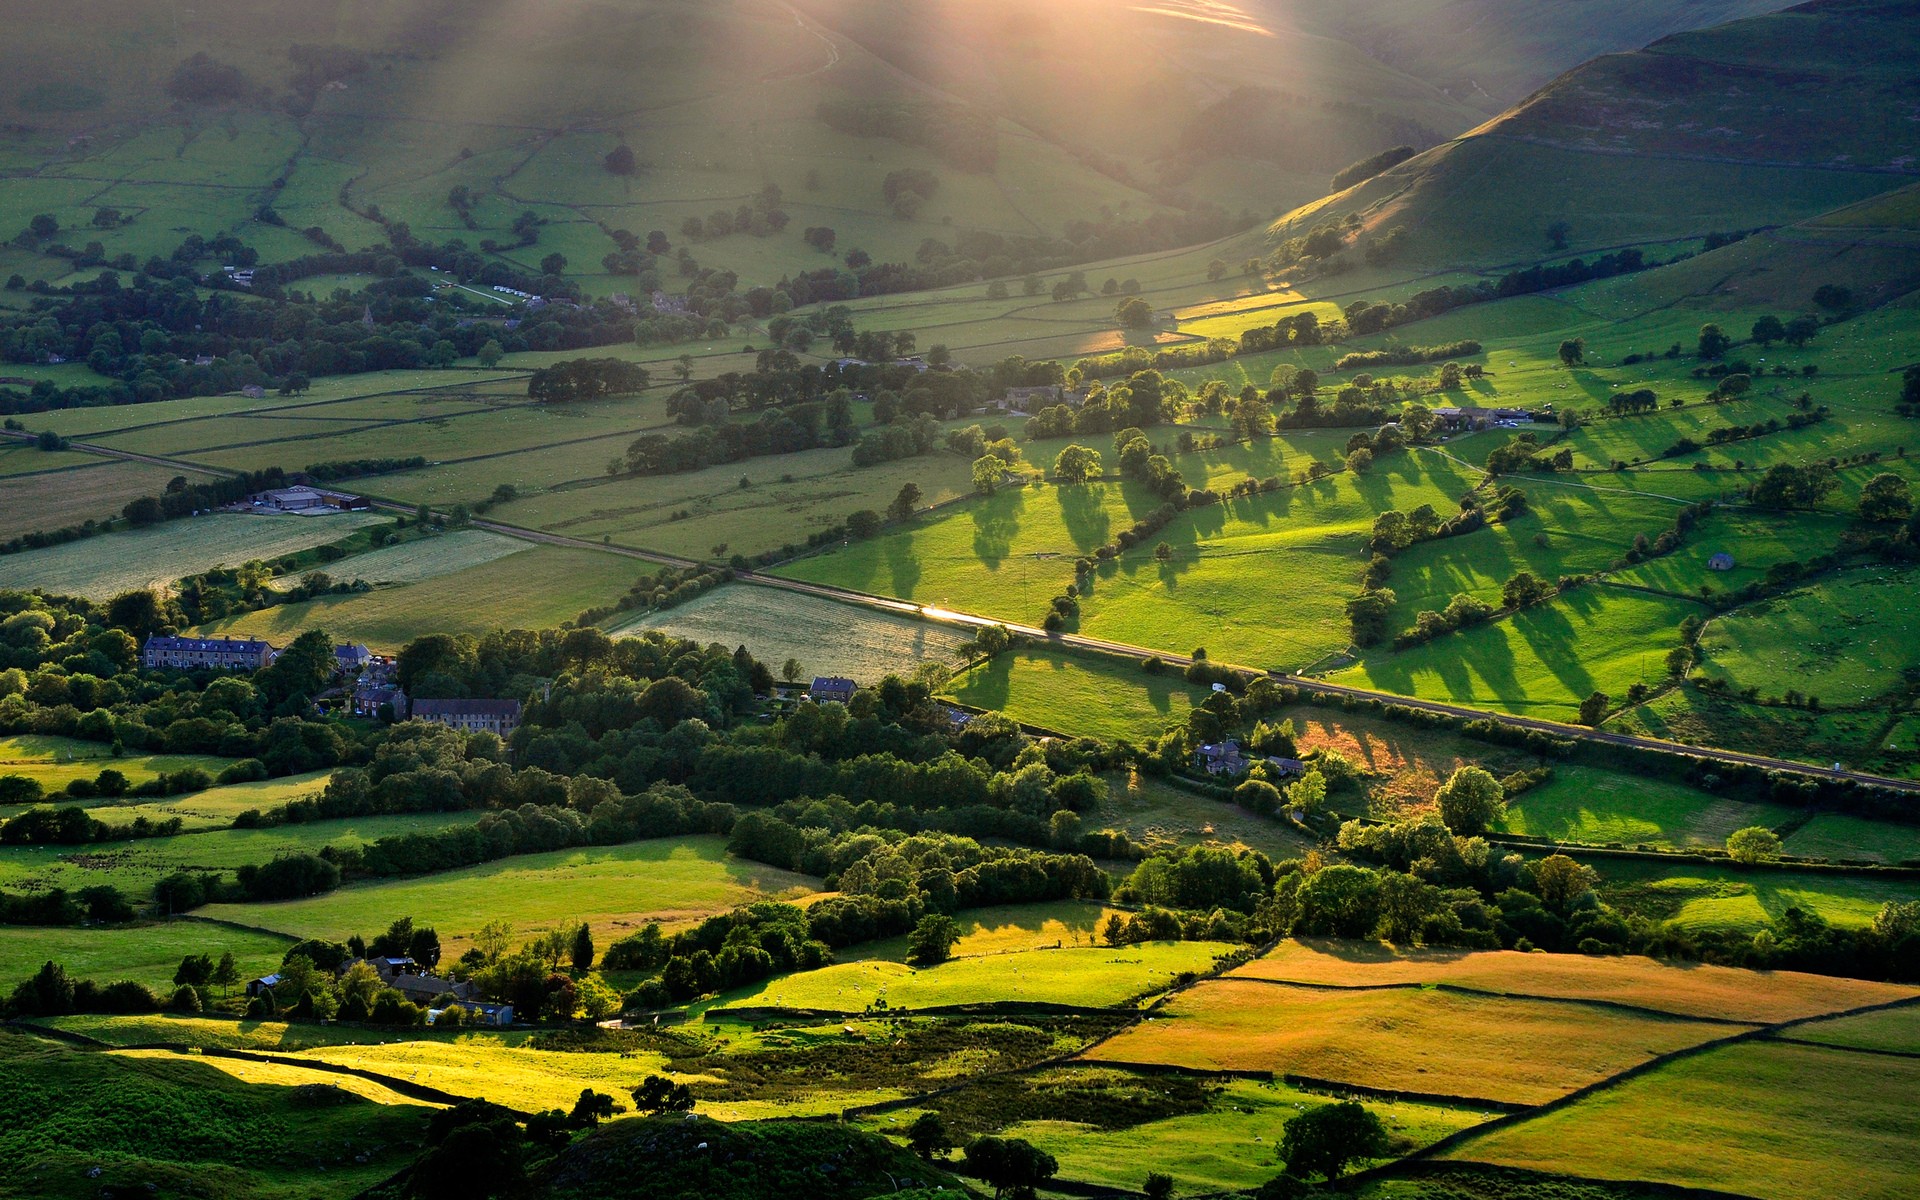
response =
{"points": [[1407, 356]]}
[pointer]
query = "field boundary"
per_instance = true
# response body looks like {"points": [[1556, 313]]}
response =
{"points": [[1459, 989], [1646, 1187]]}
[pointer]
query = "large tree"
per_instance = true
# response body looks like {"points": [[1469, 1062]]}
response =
{"points": [[1471, 801], [1324, 1140], [1076, 464]]}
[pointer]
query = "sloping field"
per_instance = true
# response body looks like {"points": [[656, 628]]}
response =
{"points": [[1845, 640], [216, 807], [540, 588], [148, 954], [614, 889], [1602, 807], [1896, 1030], [1690, 989], [415, 562], [1090, 977], [44, 502], [103, 567], [56, 761], [1764, 1119], [1083, 695], [1438, 1043], [827, 638]]}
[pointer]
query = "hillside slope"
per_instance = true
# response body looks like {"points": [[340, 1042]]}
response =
{"points": [[1763, 121]]}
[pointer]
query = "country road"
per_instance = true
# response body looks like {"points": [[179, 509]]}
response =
{"points": [[1080, 641]]}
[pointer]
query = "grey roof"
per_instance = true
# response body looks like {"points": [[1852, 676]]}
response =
{"points": [[211, 645], [466, 708]]}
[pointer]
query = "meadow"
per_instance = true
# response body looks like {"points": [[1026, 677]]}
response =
{"points": [[94, 493], [144, 953], [1682, 989], [101, 568], [1080, 694], [1894, 1029], [1599, 807], [1836, 835], [1846, 640], [825, 636], [53, 762], [1762, 1119], [1704, 897], [537, 588], [77, 1122], [1436, 1043], [1084, 976], [421, 560], [612, 889], [135, 866]]}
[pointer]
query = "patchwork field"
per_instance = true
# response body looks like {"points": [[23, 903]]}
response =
{"points": [[1836, 835], [613, 889], [1683, 989], [1435, 1043], [1763, 1119], [1090, 977], [216, 807], [826, 637], [101, 568]]}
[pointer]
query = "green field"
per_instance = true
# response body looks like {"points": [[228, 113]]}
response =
{"points": [[146, 954], [135, 866], [1543, 660], [1895, 1029], [1585, 804], [417, 562], [1846, 640], [1775, 1121], [78, 1121], [1704, 897], [1081, 694], [54, 762], [101, 568], [828, 638], [216, 807], [1093, 977], [534, 589], [1836, 835], [93, 493], [613, 889]]}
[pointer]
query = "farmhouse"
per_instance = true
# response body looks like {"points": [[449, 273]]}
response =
{"points": [[431, 990], [1221, 758], [1033, 399], [265, 983], [478, 1013], [369, 694], [830, 687], [471, 716], [198, 654], [349, 659]]}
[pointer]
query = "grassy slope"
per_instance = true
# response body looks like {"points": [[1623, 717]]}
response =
{"points": [[101, 568], [1765, 1120], [614, 889], [146, 954]]}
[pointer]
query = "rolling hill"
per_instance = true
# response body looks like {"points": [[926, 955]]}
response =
{"points": [[1759, 122]]}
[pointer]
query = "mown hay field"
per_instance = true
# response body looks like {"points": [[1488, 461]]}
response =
{"points": [[1893, 1029], [1436, 1043], [98, 493], [1683, 989], [613, 889], [418, 561], [1091, 977], [538, 588], [825, 636], [1763, 1119], [103, 567]]}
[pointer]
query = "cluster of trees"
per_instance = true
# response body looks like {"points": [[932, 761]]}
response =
{"points": [[1525, 453], [1360, 320], [586, 379]]}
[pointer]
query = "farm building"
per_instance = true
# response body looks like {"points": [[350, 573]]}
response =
{"points": [[301, 498], [262, 985], [430, 990], [1033, 399], [478, 1013], [1720, 562], [199, 654], [830, 687], [349, 659], [369, 695], [1221, 758], [470, 716]]}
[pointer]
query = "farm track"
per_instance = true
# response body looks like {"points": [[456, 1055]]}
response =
{"points": [[1105, 646]]}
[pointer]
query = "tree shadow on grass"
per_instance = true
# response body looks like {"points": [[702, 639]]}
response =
{"points": [[1084, 512], [903, 564], [996, 522]]}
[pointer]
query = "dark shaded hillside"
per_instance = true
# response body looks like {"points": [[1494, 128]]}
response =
{"points": [[1760, 122]]}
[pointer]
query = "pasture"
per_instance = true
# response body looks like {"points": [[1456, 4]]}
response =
{"points": [[1846, 640], [1084, 695], [1004, 929], [91, 493], [537, 588], [1683, 989], [53, 762], [1894, 1029], [1165, 816], [79, 1121], [144, 953], [1598, 807], [1082, 976], [827, 637], [419, 561], [1230, 1147], [1436, 1043], [1702, 897], [216, 807], [1839, 836], [1542, 661], [103, 567], [1762, 1119], [613, 889]]}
